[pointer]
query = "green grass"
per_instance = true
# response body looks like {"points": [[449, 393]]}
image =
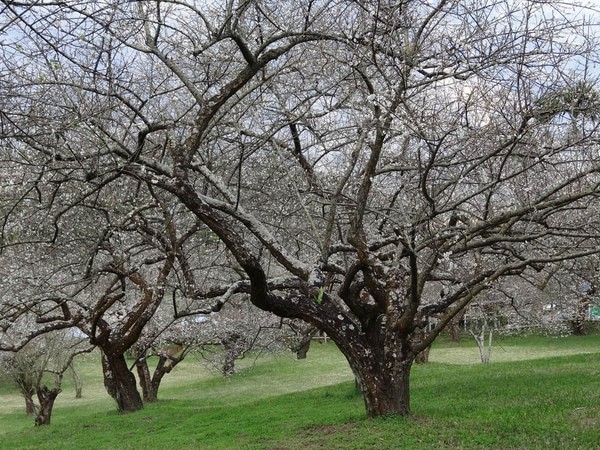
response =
{"points": [[551, 401], [513, 348]]}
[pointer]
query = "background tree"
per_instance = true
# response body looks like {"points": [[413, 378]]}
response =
{"points": [[569, 289], [240, 329], [167, 341], [301, 337], [39, 367], [110, 285], [351, 156], [482, 321]]}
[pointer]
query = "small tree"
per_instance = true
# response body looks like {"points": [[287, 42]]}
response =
{"points": [[300, 337], [20, 366], [169, 344], [481, 325], [238, 329], [39, 368]]}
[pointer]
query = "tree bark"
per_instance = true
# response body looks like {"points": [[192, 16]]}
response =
{"points": [[454, 330], [46, 398], [29, 404], [149, 392], [382, 375], [385, 392], [578, 322], [150, 383], [484, 353], [120, 383], [303, 348], [578, 327], [454, 326], [423, 356], [76, 381], [232, 350], [27, 391], [166, 363]]}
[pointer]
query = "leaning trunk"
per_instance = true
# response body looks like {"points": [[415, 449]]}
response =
{"points": [[120, 383], [380, 354]]}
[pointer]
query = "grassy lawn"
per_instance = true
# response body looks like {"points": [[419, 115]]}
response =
{"points": [[537, 393]]}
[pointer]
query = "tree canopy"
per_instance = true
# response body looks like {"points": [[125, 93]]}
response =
{"points": [[365, 166]]}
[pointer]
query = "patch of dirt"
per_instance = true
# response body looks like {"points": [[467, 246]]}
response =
{"points": [[313, 430], [585, 418]]}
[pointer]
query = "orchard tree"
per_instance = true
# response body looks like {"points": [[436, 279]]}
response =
{"points": [[569, 291], [300, 337], [135, 261], [482, 318], [39, 367], [239, 329], [111, 285], [165, 340], [553, 301], [351, 156]]}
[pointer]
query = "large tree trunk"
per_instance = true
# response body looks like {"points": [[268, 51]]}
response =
{"points": [[383, 376], [385, 397], [380, 356], [385, 392], [120, 383], [46, 398]]}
